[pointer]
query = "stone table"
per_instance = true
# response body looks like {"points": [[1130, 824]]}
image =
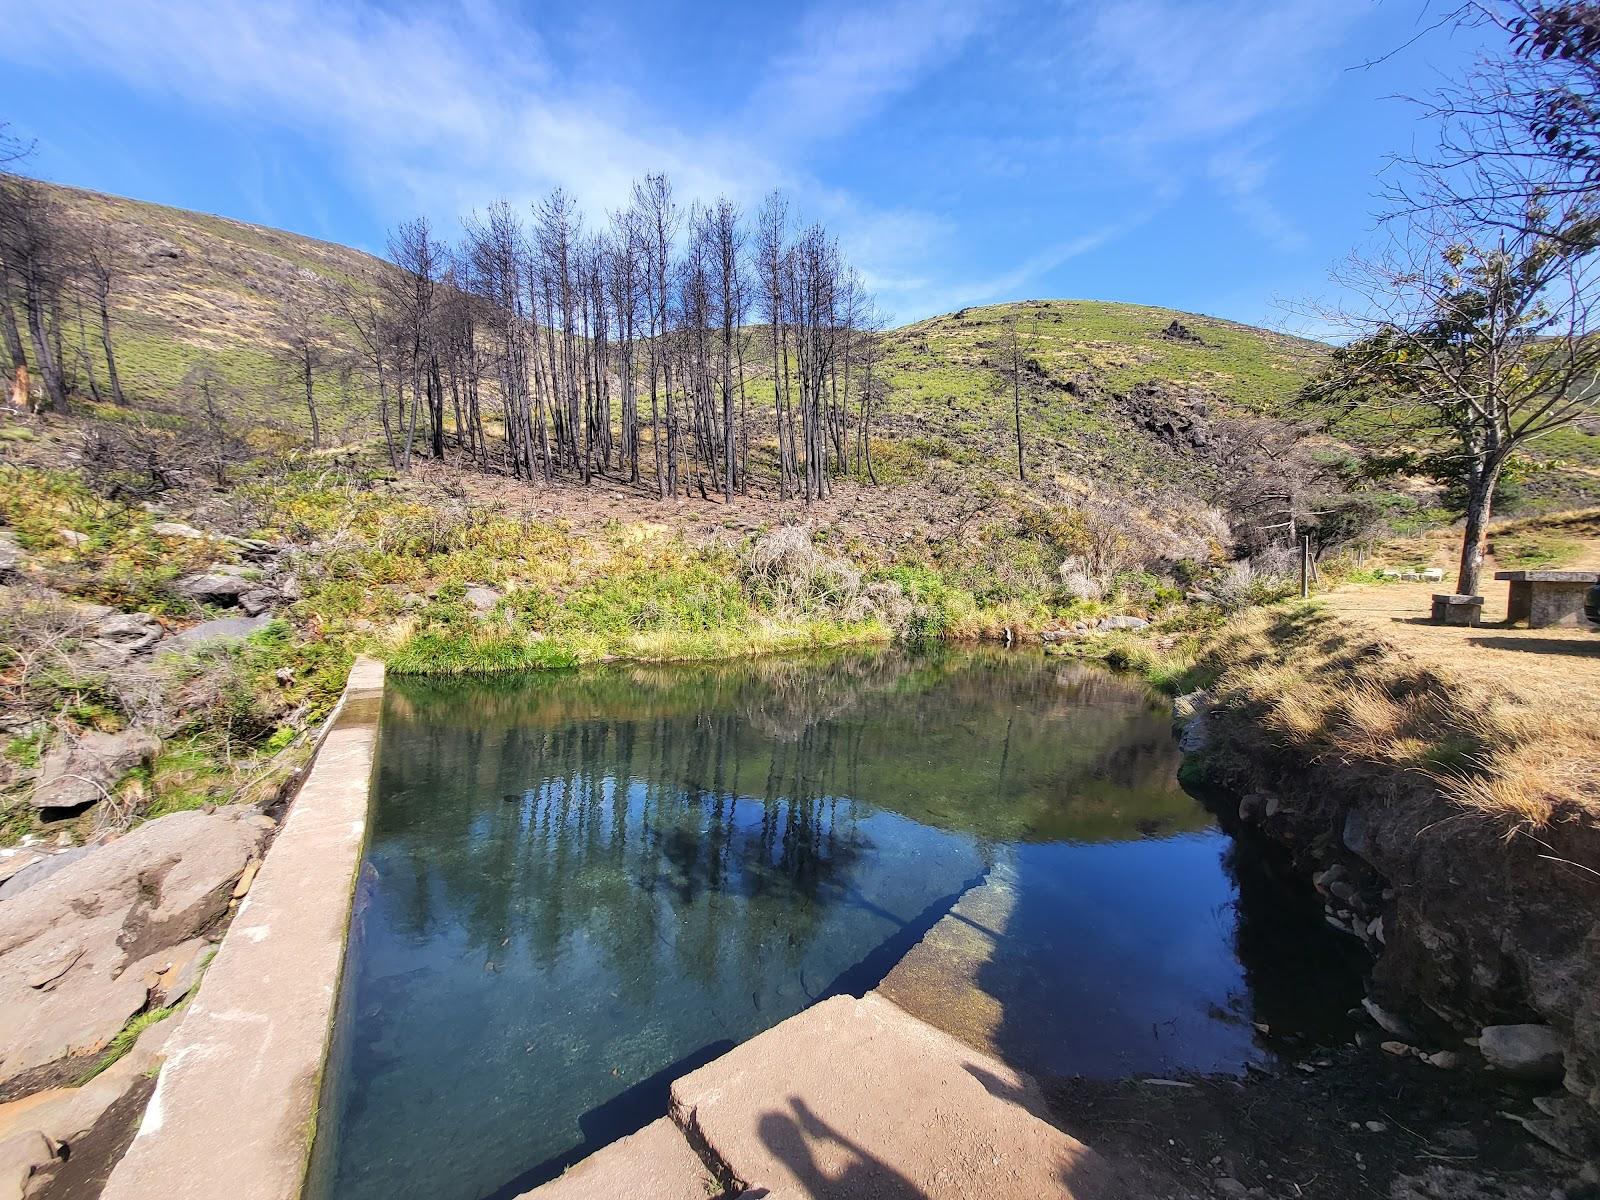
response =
{"points": [[1544, 598]]}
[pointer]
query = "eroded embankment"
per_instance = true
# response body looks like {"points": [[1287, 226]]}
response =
{"points": [[1448, 822]]}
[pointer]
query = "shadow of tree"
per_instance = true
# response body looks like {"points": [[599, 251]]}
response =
{"points": [[1533, 645]]}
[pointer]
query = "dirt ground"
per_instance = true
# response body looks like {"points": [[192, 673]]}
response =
{"points": [[1347, 1123], [1560, 665]]}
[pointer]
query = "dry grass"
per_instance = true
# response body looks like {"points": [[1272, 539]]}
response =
{"points": [[1514, 752]]}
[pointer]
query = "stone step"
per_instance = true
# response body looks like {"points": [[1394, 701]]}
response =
{"points": [[857, 1098], [654, 1164]]}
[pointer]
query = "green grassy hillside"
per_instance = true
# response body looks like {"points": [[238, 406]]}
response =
{"points": [[1110, 390], [1119, 388], [201, 287]]}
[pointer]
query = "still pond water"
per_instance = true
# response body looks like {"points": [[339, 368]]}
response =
{"points": [[579, 886]]}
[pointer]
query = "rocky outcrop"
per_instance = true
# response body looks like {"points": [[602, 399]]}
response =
{"points": [[219, 629], [38, 1132], [81, 951], [79, 771], [219, 585], [1484, 947]]}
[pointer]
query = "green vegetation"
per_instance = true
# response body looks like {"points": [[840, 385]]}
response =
{"points": [[118, 1047]]}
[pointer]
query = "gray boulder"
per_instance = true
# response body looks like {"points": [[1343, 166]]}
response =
{"points": [[482, 598], [258, 601], [123, 635], [1526, 1051], [79, 771], [11, 559], [80, 951], [221, 629], [39, 870], [1123, 623], [219, 585], [177, 529]]}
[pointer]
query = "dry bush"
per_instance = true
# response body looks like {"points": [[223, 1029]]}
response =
{"points": [[47, 662], [1521, 759], [797, 574]]}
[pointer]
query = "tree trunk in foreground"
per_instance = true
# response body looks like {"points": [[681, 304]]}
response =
{"points": [[1480, 500]]}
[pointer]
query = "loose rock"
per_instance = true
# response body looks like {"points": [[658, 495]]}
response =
{"points": [[20, 1156], [258, 601], [82, 771], [126, 634], [216, 586], [177, 529], [1109, 623], [1526, 1051]]}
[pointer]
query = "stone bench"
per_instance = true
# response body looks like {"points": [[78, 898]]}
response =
{"points": [[1456, 610], [1543, 598]]}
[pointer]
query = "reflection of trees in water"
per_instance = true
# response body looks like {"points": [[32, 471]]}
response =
{"points": [[712, 812], [631, 834]]}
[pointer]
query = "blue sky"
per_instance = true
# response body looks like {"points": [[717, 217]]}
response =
{"points": [[1210, 155]]}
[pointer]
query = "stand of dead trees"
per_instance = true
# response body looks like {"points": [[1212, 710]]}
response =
{"points": [[50, 272], [625, 352], [639, 350]]}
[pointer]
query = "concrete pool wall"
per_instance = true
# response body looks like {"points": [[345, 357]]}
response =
{"points": [[234, 1110]]}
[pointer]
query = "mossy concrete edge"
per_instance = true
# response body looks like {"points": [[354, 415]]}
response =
{"points": [[233, 1113]]}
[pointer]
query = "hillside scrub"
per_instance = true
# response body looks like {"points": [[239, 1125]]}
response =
{"points": [[438, 577], [1317, 687]]}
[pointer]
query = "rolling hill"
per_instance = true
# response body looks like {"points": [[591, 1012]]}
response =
{"points": [[1114, 387]]}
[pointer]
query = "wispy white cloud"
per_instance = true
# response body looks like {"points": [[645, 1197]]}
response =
{"points": [[1169, 72], [845, 60], [444, 110], [1242, 175]]}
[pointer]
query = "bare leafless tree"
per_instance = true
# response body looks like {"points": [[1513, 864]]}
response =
{"points": [[102, 261], [1011, 365], [32, 255], [1518, 133], [303, 351]]}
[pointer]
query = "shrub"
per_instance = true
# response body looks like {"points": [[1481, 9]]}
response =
{"points": [[795, 574]]}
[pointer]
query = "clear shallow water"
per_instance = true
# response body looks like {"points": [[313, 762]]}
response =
{"points": [[580, 886]]}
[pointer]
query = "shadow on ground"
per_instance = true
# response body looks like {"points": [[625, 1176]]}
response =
{"points": [[1535, 645]]}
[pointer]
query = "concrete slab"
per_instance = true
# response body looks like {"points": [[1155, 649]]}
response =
{"points": [[656, 1163], [857, 1099], [233, 1110]]}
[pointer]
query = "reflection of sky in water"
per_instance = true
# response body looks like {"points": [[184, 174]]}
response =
{"points": [[579, 887]]}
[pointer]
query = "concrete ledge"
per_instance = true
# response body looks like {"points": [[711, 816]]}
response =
{"points": [[856, 1098], [234, 1108]]}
